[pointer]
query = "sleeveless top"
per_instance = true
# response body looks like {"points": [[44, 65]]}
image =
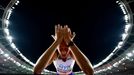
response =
{"points": [[64, 67]]}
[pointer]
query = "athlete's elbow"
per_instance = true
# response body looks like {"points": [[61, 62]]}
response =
{"points": [[89, 71], [36, 71]]}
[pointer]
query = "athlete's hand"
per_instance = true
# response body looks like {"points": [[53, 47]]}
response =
{"points": [[68, 36], [58, 32]]}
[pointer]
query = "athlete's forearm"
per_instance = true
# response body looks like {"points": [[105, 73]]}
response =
{"points": [[82, 60], [44, 59]]}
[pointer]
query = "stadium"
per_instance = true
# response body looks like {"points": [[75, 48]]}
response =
{"points": [[119, 62]]}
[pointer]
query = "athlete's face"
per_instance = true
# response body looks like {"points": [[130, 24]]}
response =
{"points": [[63, 49]]}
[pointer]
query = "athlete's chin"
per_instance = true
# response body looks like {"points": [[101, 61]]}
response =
{"points": [[64, 56]]}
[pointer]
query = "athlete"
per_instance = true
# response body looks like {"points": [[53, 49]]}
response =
{"points": [[63, 52]]}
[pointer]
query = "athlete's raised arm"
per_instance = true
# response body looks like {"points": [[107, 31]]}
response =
{"points": [[46, 57], [82, 61]]}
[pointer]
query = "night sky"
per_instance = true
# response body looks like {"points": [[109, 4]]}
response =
{"points": [[98, 26]]}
